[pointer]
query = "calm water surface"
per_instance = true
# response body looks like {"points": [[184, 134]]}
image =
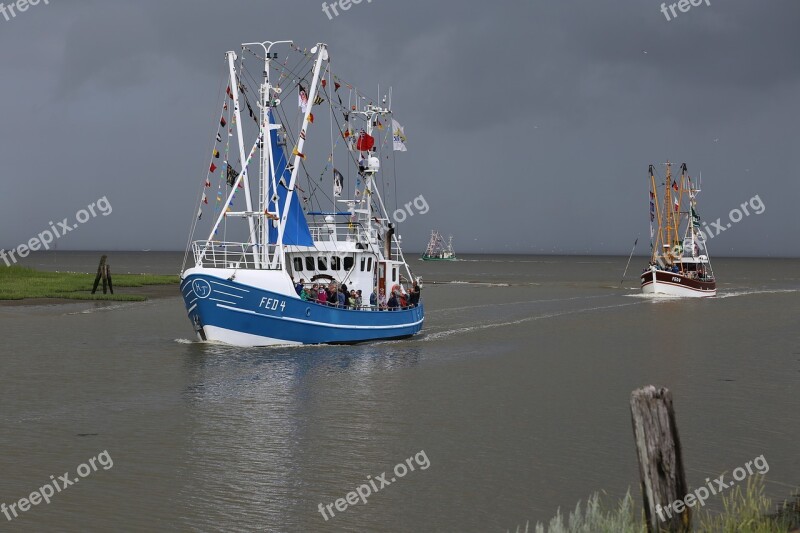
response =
{"points": [[517, 391]]}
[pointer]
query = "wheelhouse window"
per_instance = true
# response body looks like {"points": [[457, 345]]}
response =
{"points": [[322, 263], [310, 263], [348, 263], [369, 265], [298, 264], [336, 263]]}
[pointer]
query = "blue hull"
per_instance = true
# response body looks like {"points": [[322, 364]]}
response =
{"points": [[242, 314]]}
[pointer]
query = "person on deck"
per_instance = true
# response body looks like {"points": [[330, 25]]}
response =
{"points": [[382, 300], [304, 294], [341, 298], [351, 299], [299, 286], [393, 303], [373, 299], [415, 294], [359, 299], [322, 296]]}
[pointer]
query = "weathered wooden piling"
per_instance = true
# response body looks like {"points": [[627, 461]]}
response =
{"points": [[104, 274], [660, 461]]}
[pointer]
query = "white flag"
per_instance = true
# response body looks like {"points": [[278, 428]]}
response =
{"points": [[302, 99], [399, 137]]}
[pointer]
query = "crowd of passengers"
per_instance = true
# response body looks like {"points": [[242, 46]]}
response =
{"points": [[336, 295], [700, 273]]}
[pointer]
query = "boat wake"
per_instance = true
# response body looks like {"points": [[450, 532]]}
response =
{"points": [[469, 329], [735, 293]]}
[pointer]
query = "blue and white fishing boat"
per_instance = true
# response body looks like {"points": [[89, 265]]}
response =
{"points": [[257, 290]]}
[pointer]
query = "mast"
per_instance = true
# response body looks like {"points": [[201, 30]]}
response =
{"points": [[252, 238], [267, 159], [322, 52]]}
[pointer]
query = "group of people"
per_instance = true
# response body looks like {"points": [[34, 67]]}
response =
{"points": [[336, 295], [397, 298]]}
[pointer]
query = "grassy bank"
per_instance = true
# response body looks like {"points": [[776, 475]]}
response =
{"points": [[744, 511], [17, 283]]}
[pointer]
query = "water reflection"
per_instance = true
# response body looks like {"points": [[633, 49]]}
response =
{"points": [[256, 417]]}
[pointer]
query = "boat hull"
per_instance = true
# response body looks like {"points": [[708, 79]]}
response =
{"points": [[662, 282], [242, 314]]}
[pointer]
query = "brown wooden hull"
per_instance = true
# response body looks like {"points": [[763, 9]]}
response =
{"points": [[676, 284]]}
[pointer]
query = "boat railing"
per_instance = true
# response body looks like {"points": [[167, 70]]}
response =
{"points": [[218, 254], [342, 232]]}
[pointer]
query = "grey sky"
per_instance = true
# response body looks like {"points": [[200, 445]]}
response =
{"points": [[530, 124]]}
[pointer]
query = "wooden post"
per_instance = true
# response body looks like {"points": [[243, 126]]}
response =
{"points": [[660, 462], [100, 275], [108, 276]]}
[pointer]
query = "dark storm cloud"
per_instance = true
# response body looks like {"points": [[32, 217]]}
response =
{"points": [[531, 124]]}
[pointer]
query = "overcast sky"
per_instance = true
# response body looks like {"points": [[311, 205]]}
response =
{"points": [[530, 124]]}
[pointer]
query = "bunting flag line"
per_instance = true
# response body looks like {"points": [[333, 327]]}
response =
{"points": [[205, 199], [208, 183], [222, 122], [216, 154], [219, 137], [311, 118], [318, 100], [675, 185], [677, 204], [295, 151], [232, 174], [212, 168], [200, 213]]}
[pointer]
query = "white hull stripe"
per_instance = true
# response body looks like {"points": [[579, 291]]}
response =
{"points": [[222, 301], [323, 324], [228, 286], [228, 294]]}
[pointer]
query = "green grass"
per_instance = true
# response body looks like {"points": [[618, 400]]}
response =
{"points": [[17, 283], [744, 511]]}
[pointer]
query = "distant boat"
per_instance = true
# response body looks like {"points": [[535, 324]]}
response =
{"points": [[679, 263], [437, 250]]}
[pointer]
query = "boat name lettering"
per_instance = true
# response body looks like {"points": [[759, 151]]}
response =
{"points": [[676, 280], [272, 303]]}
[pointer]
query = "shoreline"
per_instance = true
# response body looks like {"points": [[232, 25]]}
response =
{"points": [[150, 292]]}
